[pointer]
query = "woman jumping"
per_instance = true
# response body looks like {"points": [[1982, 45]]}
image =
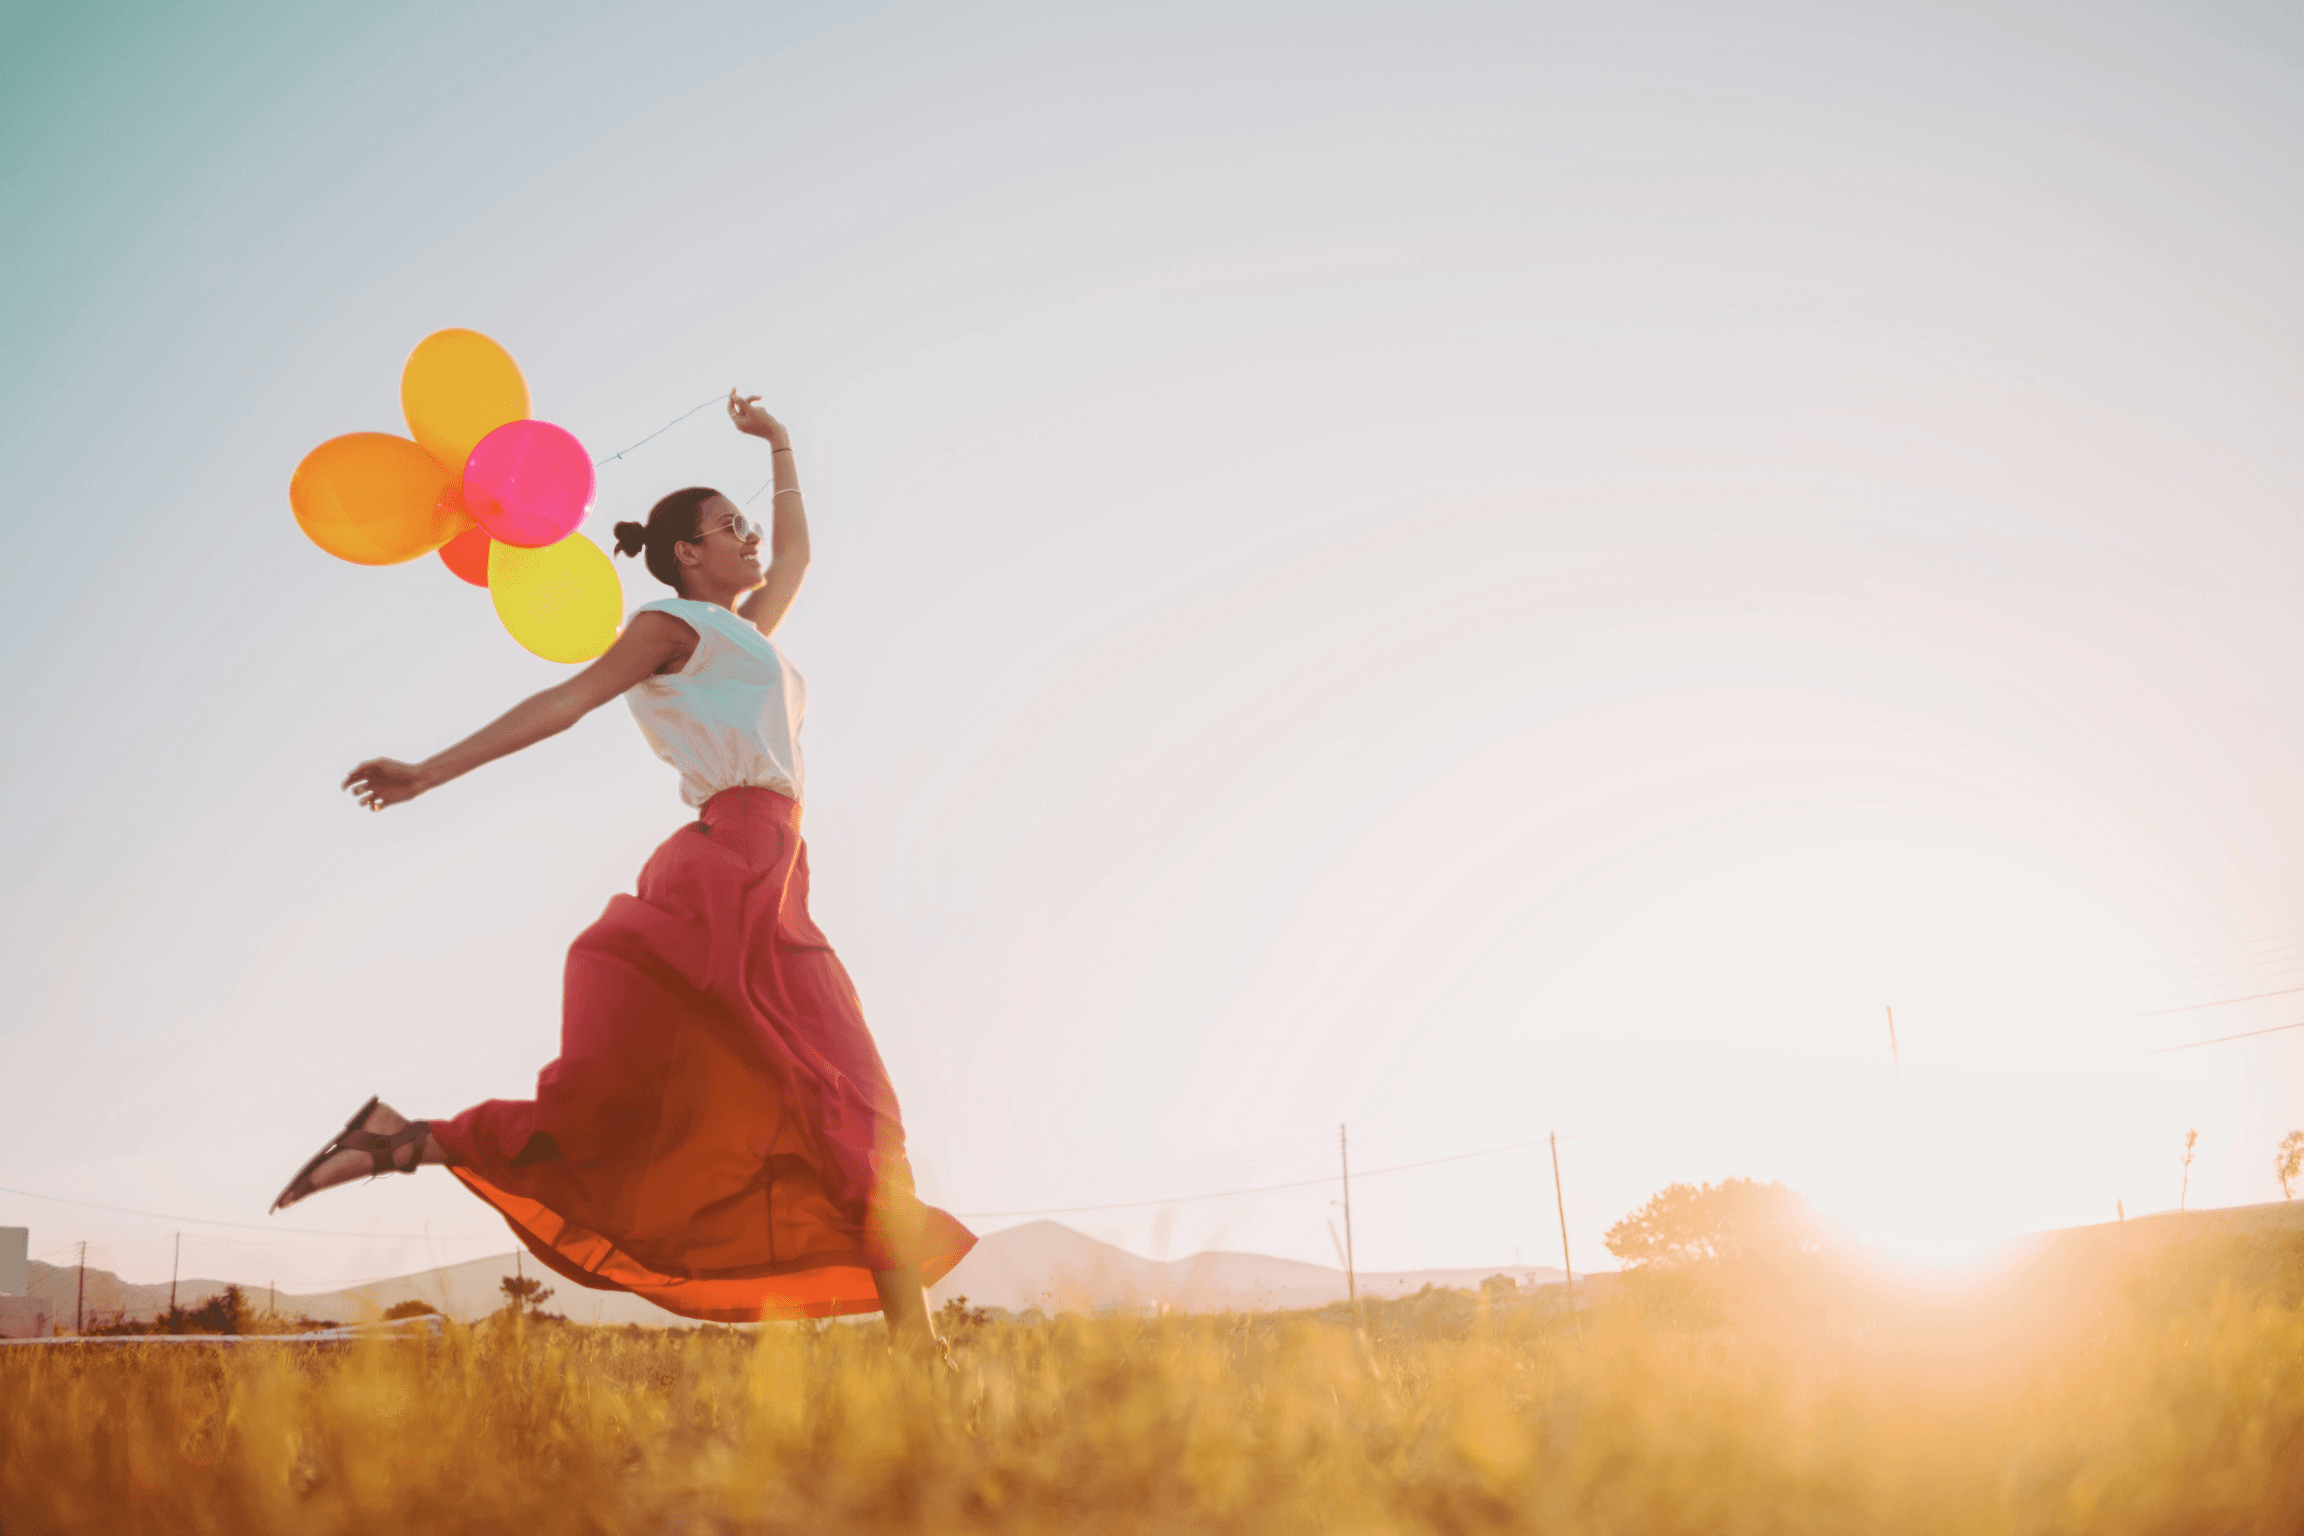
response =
{"points": [[718, 1134]]}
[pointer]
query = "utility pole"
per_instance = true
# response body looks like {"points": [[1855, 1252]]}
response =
{"points": [[80, 1302], [1893, 1055], [1351, 1275], [1560, 1200], [175, 1267]]}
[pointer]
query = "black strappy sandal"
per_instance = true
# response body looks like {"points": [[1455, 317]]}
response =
{"points": [[382, 1148]]}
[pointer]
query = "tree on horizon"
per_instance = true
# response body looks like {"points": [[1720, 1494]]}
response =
{"points": [[1684, 1224], [524, 1297]]}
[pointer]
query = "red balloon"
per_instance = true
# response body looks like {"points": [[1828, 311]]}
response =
{"points": [[467, 555]]}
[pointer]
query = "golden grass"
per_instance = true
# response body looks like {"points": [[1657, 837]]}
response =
{"points": [[2083, 1395]]}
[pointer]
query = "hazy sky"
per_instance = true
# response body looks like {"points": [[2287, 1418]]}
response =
{"points": [[1470, 570]]}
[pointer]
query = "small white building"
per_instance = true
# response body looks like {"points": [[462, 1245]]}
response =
{"points": [[20, 1316]]}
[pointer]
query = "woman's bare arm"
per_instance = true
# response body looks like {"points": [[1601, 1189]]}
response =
{"points": [[650, 643], [765, 608]]}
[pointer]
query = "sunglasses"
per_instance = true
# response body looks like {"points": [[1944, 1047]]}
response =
{"points": [[743, 527]]}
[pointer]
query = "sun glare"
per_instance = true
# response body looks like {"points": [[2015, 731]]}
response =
{"points": [[1931, 1230]]}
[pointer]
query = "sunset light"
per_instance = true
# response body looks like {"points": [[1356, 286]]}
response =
{"points": [[1008, 767]]}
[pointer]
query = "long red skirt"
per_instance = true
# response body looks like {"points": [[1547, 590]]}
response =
{"points": [[719, 1134]]}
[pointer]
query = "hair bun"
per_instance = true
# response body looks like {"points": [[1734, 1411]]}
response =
{"points": [[631, 538]]}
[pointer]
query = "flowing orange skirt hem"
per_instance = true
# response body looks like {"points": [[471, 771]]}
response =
{"points": [[817, 1285]]}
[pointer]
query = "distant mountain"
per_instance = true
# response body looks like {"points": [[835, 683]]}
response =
{"points": [[466, 1291], [108, 1298], [1042, 1264], [1048, 1265]]}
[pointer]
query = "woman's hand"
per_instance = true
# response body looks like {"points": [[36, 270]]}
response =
{"points": [[383, 781], [744, 410]]}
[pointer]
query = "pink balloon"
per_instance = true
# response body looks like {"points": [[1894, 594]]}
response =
{"points": [[529, 483]]}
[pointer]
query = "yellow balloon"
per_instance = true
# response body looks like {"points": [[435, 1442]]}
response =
{"points": [[375, 499], [561, 601], [457, 387]]}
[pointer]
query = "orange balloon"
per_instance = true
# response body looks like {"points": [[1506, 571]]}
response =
{"points": [[376, 499], [456, 388], [467, 555]]}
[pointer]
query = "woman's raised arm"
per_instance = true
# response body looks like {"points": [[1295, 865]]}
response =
{"points": [[649, 642], [765, 608]]}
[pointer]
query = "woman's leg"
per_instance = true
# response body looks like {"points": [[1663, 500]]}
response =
{"points": [[904, 1303], [347, 1166]]}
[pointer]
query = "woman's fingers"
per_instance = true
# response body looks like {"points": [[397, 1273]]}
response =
{"points": [[378, 782]]}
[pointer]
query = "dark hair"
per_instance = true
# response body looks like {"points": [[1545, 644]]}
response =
{"points": [[674, 520]]}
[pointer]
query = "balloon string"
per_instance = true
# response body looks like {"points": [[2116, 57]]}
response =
{"points": [[660, 431], [668, 426]]}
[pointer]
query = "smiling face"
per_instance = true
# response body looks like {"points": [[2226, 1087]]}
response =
{"points": [[724, 557]]}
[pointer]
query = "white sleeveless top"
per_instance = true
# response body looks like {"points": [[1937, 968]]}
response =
{"points": [[731, 716]]}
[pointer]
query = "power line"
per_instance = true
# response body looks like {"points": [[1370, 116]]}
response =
{"points": [[2161, 1013], [1117, 1205], [245, 1226], [324, 1287], [1261, 1189], [2193, 1045], [1082, 1210], [2210, 956], [2253, 997], [219, 1243]]}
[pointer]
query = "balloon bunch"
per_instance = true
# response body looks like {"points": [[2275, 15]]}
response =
{"points": [[498, 495]]}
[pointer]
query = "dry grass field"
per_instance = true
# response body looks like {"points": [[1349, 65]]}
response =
{"points": [[2148, 1378]]}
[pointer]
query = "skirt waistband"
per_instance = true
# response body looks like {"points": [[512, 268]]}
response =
{"points": [[746, 801]]}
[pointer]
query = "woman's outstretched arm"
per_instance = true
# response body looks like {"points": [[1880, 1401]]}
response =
{"points": [[767, 604], [648, 643]]}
